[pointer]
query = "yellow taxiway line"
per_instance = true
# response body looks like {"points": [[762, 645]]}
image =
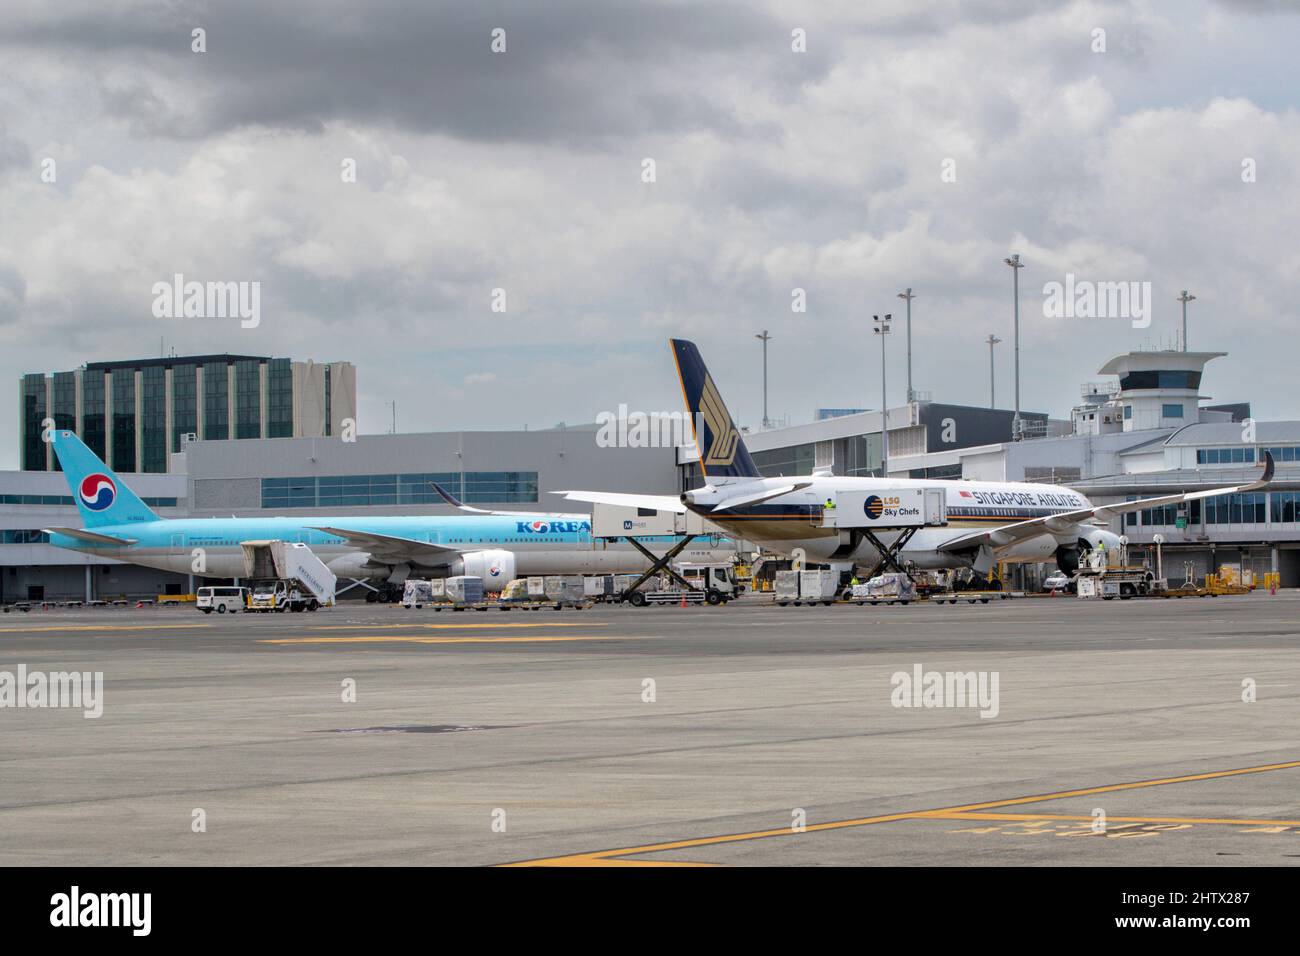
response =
{"points": [[964, 812]]}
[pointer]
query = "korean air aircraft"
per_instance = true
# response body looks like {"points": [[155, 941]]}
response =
{"points": [[493, 545], [988, 522]]}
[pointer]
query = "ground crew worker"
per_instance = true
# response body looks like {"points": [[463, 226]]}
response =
{"points": [[830, 504]]}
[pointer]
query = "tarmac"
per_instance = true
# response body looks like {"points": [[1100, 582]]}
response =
{"points": [[1108, 733]]}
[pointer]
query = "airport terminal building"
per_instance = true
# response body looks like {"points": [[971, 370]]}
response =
{"points": [[1147, 432], [134, 414]]}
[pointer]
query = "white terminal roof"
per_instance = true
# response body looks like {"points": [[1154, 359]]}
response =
{"points": [[1157, 361], [1230, 433]]}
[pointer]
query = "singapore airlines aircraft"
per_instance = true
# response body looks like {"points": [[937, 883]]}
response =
{"points": [[988, 522], [494, 545]]}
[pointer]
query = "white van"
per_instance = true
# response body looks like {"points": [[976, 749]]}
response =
{"points": [[221, 599]]}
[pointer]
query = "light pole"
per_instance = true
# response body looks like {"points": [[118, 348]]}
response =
{"points": [[881, 328], [1184, 298], [1016, 265], [992, 341], [766, 338], [908, 296]]}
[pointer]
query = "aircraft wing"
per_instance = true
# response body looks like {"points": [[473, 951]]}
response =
{"points": [[90, 537], [391, 549], [459, 505], [1059, 523], [656, 502]]}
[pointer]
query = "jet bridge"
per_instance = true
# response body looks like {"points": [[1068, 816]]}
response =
{"points": [[861, 515]]}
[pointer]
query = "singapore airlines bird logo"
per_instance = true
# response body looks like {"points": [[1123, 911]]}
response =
{"points": [[722, 449]]}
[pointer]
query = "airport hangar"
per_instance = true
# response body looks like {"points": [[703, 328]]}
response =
{"points": [[1146, 434]]}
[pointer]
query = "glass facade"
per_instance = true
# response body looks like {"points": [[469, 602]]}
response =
{"points": [[185, 403], [863, 455], [155, 502], [64, 399], [121, 410], [216, 401], [279, 399], [1245, 508], [94, 426], [248, 399], [1154, 379], [153, 418], [123, 419], [795, 460], [34, 413], [1285, 507], [1226, 456], [340, 491], [1285, 453]]}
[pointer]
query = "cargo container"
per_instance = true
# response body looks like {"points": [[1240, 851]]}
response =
{"points": [[565, 589], [818, 587], [464, 589], [416, 593]]}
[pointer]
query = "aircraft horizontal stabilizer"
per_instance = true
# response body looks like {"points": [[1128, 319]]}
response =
{"points": [[757, 497], [90, 537]]}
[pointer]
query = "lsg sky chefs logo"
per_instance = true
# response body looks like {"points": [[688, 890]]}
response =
{"points": [[179, 299], [889, 506], [1084, 299], [26, 689]]}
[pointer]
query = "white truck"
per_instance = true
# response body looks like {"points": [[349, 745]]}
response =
{"points": [[289, 577], [712, 584]]}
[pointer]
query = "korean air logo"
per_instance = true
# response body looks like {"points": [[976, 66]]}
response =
{"points": [[495, 570], [541, 527], [98, 492], [873, 507]]}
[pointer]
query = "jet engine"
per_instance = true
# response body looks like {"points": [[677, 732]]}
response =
{"points": [[495, 567]]}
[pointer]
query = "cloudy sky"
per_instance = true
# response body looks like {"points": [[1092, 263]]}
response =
{"points": [[912, 144]]}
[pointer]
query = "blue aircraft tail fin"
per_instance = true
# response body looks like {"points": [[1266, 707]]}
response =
{"points": [[723, 455], [100, 496]]}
